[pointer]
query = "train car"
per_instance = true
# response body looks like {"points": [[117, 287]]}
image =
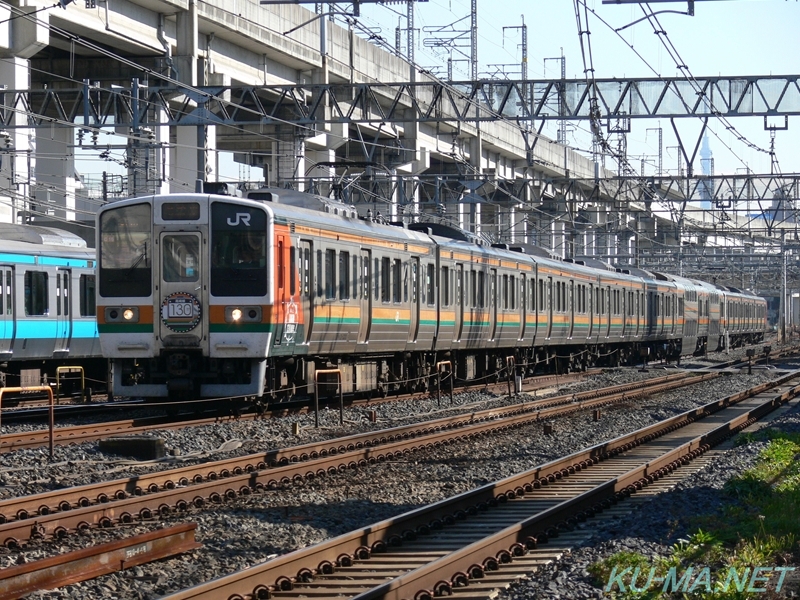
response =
{"points": [[203, 295], [47, 306]]}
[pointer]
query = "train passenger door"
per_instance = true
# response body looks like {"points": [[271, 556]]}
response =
{"points": [[570, 306], [459, 307], [7, 325], [430, 278], [365, 321], [307, 285], [493, 302], [591, 309], [63, 312], [523, 305], [549, 307]]}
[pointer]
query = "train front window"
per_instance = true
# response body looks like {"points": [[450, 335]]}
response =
{"points": [[180, 258], [238, 250], [126, 251]]}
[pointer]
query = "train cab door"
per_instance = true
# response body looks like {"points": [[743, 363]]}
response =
{"points": [[180, 289], [63, 312], [7, 324], [459, 306], [307, 285], [365, 320]]}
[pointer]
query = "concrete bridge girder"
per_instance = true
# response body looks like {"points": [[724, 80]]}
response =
{"points": [[238, 42]]}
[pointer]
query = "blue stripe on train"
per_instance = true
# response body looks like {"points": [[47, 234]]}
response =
{"points": [[52, 261], [46, 328]]}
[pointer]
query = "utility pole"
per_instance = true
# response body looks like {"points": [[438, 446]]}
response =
{"points": [[410, 19], [782, 305], [561, 136], [660, 147], [474, 40], [524, 64]]}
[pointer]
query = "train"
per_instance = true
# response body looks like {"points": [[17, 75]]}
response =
{"points": [[274, 292], [47, 309]]}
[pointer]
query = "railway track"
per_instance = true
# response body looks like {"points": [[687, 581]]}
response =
{"points": [[87, 433], [481, 540], [55, 514]]}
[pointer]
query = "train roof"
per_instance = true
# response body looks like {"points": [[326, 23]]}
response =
{"points": [[41, 236]]}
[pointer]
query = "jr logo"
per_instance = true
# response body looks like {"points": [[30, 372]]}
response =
{"points": [[240, 217]]}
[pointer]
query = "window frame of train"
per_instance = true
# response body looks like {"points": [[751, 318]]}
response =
{"points": [[36, 292], [229, 233], [88, 301], [126, 235]]}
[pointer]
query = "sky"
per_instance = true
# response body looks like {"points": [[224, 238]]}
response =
{"points": [[724, 37]]}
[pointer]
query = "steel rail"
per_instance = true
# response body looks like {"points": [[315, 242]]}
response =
{"points": [[37, 506], [96, 431], [304, 572], [82, 565]]}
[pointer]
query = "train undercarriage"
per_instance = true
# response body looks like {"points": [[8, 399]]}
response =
{"points": [[183, 373]]}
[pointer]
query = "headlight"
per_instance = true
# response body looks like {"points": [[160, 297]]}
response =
{"points": [[122, 314], [242, 314]]}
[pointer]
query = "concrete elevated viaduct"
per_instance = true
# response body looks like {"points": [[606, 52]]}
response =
{"points": [[83, 69]]}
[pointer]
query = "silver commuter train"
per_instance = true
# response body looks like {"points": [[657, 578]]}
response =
{"points": [[204, 295], [47, 306]]}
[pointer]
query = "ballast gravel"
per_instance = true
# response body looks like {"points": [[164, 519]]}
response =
{"points": [[255, 528]]}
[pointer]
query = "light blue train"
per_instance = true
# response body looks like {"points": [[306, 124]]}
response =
{"points": [[47, 307]]}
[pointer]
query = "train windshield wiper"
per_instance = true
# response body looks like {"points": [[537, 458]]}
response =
{"points": [[142, 256]]}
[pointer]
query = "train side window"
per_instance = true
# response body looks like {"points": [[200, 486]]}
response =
{"points": [[280, 265], [405, 283], [505, 292], [66, 294], [376, 278], [330, 274], [541, 305], [512, 301], [396, 281], [356, 275], [431, 284], [319, 274], [58, 295], [532, 293], [36, 297], [385, 279], [558, 297], [344, 275], [473, 286], [481, 289], [445, 286], [88, 307], [292, 271]]}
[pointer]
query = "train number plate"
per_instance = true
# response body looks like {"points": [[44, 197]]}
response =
{"points": [[181, 312]]}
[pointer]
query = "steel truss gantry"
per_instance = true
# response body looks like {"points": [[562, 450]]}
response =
{"points": [[428, 102]]}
